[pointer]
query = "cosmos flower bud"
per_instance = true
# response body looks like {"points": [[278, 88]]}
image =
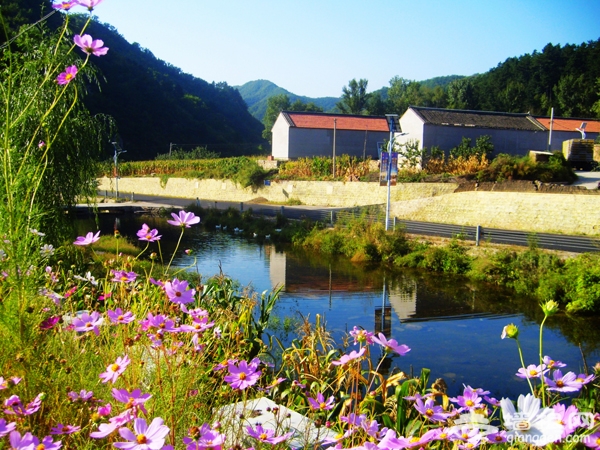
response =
{"points": [[550, 308], [511, 331]]}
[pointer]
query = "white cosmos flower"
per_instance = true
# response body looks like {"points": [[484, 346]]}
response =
{"points": [[531, 424]]}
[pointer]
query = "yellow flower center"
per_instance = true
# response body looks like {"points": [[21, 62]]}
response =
{"points": [[263, 436], [120, 318], [40, 447], [114, 367], [322, 405], [141, 439], [533, 373], [68, 76], [469, 402], [429, 412], [242, 376], [560, 383]]}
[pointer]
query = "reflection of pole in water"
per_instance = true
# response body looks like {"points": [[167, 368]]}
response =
{"points": [[383, 315], [330, 284]]}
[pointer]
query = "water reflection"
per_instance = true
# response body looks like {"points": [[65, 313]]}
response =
{"points": [[452, 325]]}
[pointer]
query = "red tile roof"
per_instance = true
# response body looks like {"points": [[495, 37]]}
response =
{"points": [[559, 124], [342, 121]]}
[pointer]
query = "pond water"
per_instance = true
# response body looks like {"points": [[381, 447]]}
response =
{"points": [[452, 325]]}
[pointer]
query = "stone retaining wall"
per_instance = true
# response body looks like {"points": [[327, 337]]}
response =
{"points": [[537, 211]]}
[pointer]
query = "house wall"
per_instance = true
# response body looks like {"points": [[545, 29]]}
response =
{"points": [[280, 138], [304, 142], [412, 129]]}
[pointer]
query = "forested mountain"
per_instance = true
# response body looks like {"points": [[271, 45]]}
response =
{"points": [[154, 103], [256, 93]]}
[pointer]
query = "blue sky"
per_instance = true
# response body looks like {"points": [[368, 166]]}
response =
{"points": [[315, 47]]}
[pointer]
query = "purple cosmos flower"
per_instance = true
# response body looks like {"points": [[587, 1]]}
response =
{"points": [[184, 219], [89, 238], [497, 438], [361, 336], [104, 410], [391, 345], [133, 400], [64, 429], [433, 412], [551, 364], [67, 76], [204, 438], [243, 375], [593, 440], [118, 316], [198, 325], [320, 403], [114, 370], [584, 379], [49, 323], [469, 400], [160, 322], [14, 405], [146, 234], [19, 442], [120, 276], [89, 45], [345, 359], [144, 436], [532, 371], [6, 427], [265, 435], [88, 322], [65, 5], [89, 4], [560, 383], [178, 291], [83, 395]]}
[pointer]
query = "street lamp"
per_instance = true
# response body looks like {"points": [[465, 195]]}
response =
{"points": [[394, 126], [118, 151]]}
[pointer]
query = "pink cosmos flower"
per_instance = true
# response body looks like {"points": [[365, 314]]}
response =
{"points": [[345, 359], [184, 219], [133, 400], [89, 4], [242, 376], [65, 5], [144, 436], [320, 403], [160, 322], [204, 438], [64, 429], [469, 400], [49, 323], [21, 442], [266, 435], [104, 429], [89, 45], [532, 371], [569, 418], [89, 238], [146, 234], [114, 370], [429, 409], [88, 322], [584, 379], [118, 316], [593, 440], [391, 345], [104, 410], [67, 76], [121, 276], [14, 405], [6, 427], [178, 291]]}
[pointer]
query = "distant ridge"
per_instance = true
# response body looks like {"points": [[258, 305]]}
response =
{"points": [[256, 93]]}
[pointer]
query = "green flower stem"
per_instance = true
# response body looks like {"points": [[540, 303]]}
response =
{"points": [[523, 365], [175, 251], [541, 360]]}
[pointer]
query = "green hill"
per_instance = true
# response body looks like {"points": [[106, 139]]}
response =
{"points": [[256, 94]]}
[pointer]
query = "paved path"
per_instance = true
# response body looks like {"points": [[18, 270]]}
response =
{"points": [[588, 179]]}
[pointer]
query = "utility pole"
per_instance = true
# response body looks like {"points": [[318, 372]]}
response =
{"points": [[171, 148], [334, 130]]}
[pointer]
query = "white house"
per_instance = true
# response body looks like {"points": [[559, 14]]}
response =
{"points": [[307, 134], [510, 133]]}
